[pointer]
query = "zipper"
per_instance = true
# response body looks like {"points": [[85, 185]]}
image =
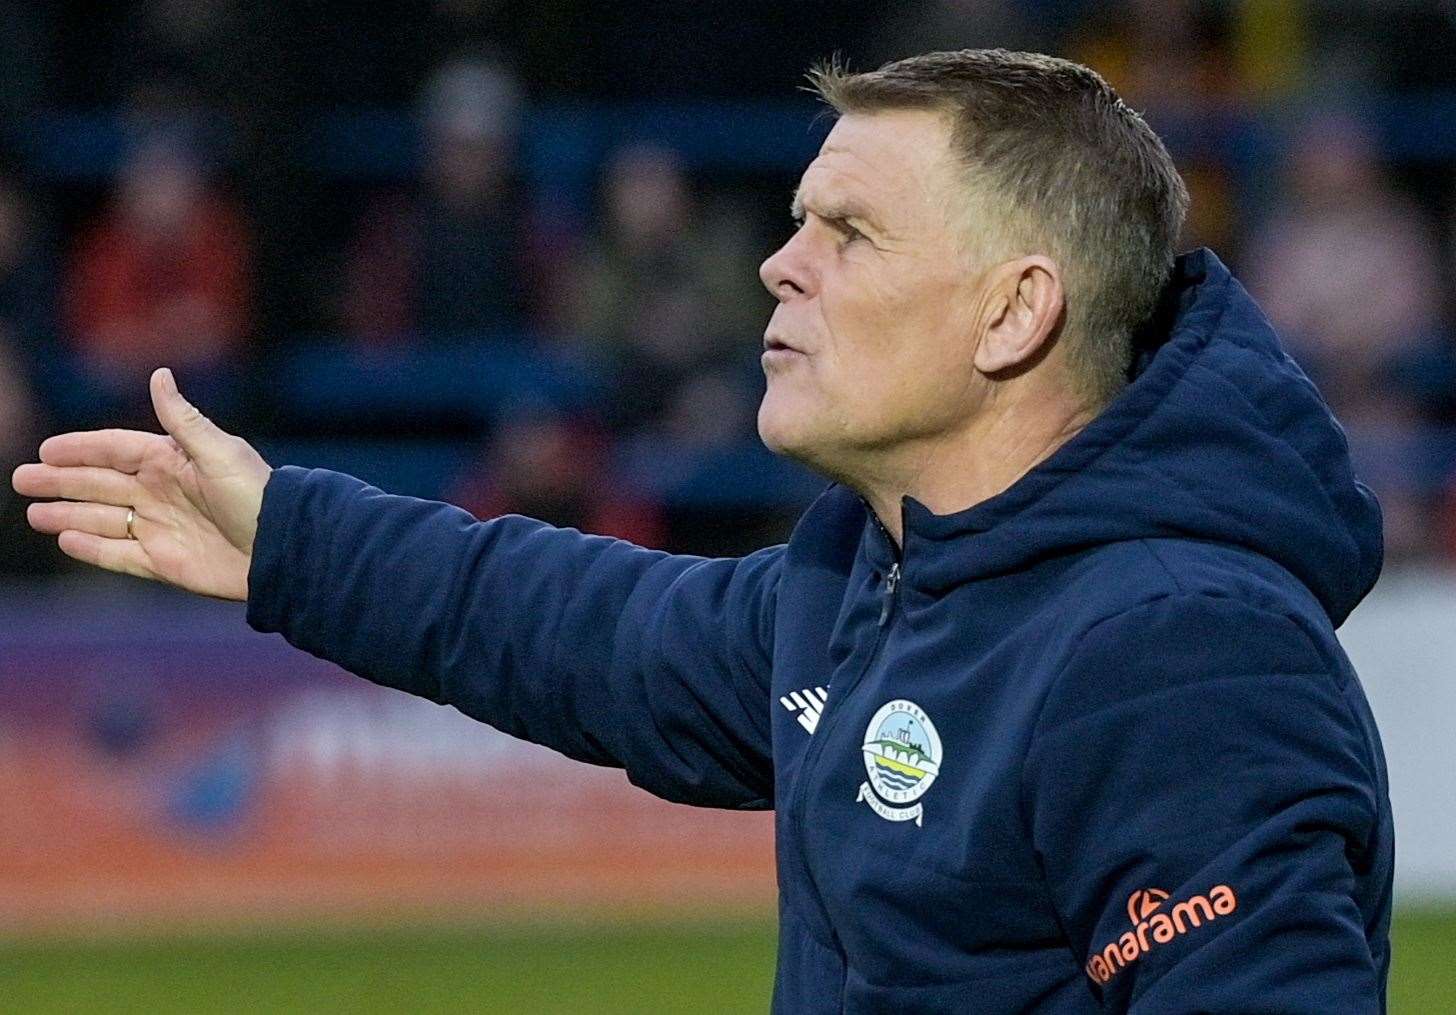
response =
{"points": [[827, 721], [887, 595]]}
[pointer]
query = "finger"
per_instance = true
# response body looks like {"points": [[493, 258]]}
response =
{"points": [[199, 436], [55, 517], [123, 555], [76, 482], [122, 450]]}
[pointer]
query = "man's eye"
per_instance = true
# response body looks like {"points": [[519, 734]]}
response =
{"points": [[848, 233]]}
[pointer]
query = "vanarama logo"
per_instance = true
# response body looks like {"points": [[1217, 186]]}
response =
{"points": [[1152, 925]]}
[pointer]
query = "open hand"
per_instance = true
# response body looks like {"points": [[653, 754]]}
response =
{"points": [[195, 490]]}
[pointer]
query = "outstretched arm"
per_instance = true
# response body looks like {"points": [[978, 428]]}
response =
{"points": [[603, 650]]}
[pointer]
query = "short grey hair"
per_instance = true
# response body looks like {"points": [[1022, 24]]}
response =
{"points": [[1059, 165]]}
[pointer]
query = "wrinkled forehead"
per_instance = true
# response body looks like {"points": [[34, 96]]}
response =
{"points": [[895, 165]]}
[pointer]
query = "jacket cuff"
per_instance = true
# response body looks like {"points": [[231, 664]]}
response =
{"points": [[272, 579]]}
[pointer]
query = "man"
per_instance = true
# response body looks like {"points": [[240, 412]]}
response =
{"points": [[1044, 690]]}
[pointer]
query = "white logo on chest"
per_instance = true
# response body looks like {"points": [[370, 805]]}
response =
{"points": [[902, 756], [808, 703]]}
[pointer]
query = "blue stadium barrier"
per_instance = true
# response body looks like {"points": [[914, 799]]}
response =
{"points": [[69, 147], [563, 144], [470, 380], [414, 467]]}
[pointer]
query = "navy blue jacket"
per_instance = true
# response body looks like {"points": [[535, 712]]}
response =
{"points": [[1088, 744]]}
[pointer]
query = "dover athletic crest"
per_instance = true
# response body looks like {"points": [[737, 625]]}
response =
{"points": [[902, 756]]}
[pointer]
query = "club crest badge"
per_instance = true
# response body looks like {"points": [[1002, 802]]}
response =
{"points": [[902, 756]]}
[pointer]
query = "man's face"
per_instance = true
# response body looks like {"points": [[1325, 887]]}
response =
{"points": [[871, 344]]}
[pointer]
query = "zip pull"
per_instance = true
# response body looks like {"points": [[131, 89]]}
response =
{"points": [[892, 581]]}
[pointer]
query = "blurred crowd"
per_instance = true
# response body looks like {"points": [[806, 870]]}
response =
{"points": [[211, 255]]}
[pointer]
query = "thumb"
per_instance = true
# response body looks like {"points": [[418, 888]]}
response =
{"points": [[199, 436]]}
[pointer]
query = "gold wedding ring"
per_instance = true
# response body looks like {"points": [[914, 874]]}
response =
{"points": [[130, 517]]}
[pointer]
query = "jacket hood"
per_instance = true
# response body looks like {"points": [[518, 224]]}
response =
{"points": [[1220, 436]]}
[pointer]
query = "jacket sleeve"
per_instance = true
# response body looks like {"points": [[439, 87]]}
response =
{"points": [[600, 649], [1201, 795]]}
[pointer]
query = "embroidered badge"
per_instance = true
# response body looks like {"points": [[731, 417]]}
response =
{"points": [[902, 756]]}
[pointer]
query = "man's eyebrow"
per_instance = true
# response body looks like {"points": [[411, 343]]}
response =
{"points": [[841, 209]]}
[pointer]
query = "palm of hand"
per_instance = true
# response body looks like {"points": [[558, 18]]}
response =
{"points": [[186, 523]]}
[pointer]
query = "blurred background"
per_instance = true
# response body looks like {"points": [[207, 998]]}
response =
{"points": [[504, 254]]}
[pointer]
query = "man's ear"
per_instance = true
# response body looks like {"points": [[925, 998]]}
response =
{"points": [[1024, 302]]}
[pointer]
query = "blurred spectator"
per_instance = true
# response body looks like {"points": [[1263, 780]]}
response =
{"points": [[660, 281], [163, 277], [1348, 270], [557, 470], [452, 259], [664, 289]]}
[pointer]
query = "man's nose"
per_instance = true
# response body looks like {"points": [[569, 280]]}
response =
{"points": [[784, 273]]}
